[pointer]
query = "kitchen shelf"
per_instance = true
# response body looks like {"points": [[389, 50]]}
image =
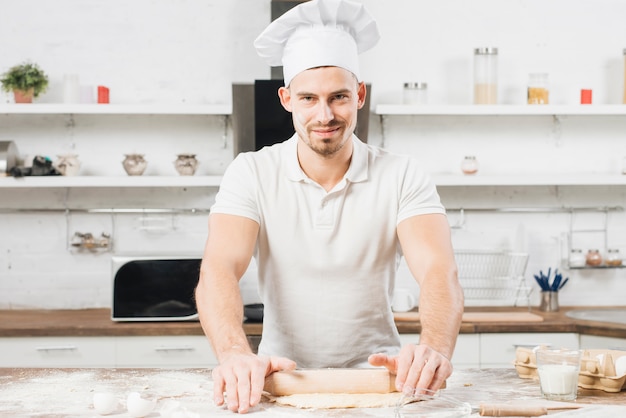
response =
{"points": [[110, 181], [501, 110], [114, 109], [529, 180]]}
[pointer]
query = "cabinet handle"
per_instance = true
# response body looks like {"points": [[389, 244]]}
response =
{"points": [[531, 345], [174, 348], [57, 348]]}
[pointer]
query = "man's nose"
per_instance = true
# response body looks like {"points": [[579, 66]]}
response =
{"points": [[324, 113]]}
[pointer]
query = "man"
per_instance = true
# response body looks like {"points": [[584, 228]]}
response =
{"points": [[327, 218]]}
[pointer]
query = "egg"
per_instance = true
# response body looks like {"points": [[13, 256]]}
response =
{"points": [[620, 366], [104, 402], [139, 406]]}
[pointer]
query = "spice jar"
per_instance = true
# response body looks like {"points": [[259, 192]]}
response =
{"points": [[415, 93], [613, 258], [538, 91], [485, 75], [593, 258], [469, 165], [576, 258], [624, 75]]}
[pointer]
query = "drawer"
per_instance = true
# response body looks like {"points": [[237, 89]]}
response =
{"points": [[164, 351], [57, 352], [498, 350], [466, 352]]}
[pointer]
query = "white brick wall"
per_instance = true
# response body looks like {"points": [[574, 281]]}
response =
{"points": [[174, 51]]}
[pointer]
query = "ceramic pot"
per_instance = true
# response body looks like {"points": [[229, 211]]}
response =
{"points": [[186, 164], [68, 164], [23, 96], [134, 164]]}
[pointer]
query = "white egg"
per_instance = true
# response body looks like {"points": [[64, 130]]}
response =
{"points": [[620, 366], [138, 406], [104, 402]]}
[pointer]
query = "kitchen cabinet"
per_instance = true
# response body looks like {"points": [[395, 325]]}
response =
{"points": [[498, 350], [597, 342], [164, 352], [57, 352], [466, 353]]}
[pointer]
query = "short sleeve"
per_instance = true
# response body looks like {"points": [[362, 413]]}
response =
{"points": [[418, 195]]}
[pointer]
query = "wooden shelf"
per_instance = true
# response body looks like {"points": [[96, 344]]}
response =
{"points": [[114, 109], [110, 181], [501, 110]]}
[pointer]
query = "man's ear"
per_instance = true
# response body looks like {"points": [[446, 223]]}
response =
{"points": [[285, 98], [361, 94]]}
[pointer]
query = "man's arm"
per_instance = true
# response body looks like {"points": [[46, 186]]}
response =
{"points": [[427, 248], [227, 254]]}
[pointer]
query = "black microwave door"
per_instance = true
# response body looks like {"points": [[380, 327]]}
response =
{"points": [[156, 289]]}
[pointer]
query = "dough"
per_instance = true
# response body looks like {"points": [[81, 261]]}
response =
{"points": [[339, 400]]}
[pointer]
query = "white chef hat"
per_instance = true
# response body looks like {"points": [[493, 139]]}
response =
{"points": [[318, 33]]}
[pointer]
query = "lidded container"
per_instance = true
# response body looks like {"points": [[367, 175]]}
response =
{"points": [[485, 75], [593, 258], [613, 258], [576, 258], [469, 165], [538, 90], [415, 93], [624, 75]]}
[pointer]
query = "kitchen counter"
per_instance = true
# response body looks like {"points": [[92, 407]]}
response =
{"points": [[188, 393], [97, 322]]}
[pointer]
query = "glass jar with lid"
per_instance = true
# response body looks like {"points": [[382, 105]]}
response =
{"points": [[613, 257], [624, 75], [577, 258], [485, 75], [415, 93], [469, 165], [593, 258]]}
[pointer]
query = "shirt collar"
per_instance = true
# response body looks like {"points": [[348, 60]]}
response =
{"points": [[357, 171]]}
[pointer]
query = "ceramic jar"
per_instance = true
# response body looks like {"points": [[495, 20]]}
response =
{"points": [[134, 164], [67, 164], [186, 164]]}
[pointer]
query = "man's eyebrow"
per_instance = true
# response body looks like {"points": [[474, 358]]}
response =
{"points": [[334, 93]]}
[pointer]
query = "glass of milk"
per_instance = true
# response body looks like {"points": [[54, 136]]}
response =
{"points": [[558, 373]]}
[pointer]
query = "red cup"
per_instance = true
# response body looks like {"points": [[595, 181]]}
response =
{"points": [[585, 96], [103, 94]]}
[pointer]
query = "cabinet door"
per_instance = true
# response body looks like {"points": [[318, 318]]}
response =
{"points": [[57, 352], [498, 350], [603, 343], [466, 354], [164, 351]]}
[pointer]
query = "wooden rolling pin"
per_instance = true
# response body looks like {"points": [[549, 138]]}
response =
{"points": [[330, 381], [507, 410]]}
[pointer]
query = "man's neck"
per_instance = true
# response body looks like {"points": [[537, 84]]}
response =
{"points": [[326, 171]]}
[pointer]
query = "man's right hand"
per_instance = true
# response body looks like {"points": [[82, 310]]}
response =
{"points": [[241, 376]]}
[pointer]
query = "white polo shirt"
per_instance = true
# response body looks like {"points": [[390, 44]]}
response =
{"points": [[327, 260]]}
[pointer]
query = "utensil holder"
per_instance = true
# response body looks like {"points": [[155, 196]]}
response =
{"points": [[549, 301]]}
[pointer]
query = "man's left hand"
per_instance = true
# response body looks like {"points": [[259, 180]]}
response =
{"points": [[416, 367]]}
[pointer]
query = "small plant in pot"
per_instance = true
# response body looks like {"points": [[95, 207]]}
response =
{"points": [[26, 80]]}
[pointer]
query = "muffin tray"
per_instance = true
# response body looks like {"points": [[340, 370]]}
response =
{"points": [[599, 369]]}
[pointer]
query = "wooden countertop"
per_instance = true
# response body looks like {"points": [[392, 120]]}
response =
{"points": [[188, 392], [97, 322]]}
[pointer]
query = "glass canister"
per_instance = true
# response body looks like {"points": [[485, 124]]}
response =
{"points": [[469, 165], [538, 91], [576, 258], [485, 75], [593, 258], [415, 93], [613, 258]]}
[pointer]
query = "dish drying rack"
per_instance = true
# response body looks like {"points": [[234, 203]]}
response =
{"points": [[493, 278]]}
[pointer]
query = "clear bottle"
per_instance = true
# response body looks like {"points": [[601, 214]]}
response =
{"points": [[576, 258], [613, 258], [469, 165], [415, 93], [593, 258], [538, 91], [485, 75]]}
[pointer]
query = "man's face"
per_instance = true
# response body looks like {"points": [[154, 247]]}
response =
{"points": [[324, 102]]}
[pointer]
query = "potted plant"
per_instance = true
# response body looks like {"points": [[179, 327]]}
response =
{"points": [[26, 80]]}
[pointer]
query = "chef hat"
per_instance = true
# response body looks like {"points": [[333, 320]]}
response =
{"points": [[318, 33]]}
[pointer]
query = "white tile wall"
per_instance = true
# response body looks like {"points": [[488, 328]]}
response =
{"points": [[191, 51]]}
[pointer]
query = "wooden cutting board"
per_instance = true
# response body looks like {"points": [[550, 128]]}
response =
{"points": [[330, 381], [479, 316]]}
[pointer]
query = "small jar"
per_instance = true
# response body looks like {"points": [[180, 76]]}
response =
{"points": [[577, 258], [538, 92], [485, 75], [469, 165], [613, 258], [593, 258], [415, 93], [624, 75]]}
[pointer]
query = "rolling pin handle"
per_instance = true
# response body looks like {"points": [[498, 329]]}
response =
{"points": [[501, 410]]}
